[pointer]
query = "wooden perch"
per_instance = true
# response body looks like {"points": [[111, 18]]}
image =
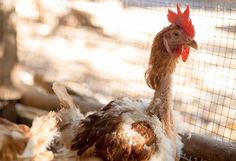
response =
{"points": [[31, 96], [206, 148], [40, 95]]}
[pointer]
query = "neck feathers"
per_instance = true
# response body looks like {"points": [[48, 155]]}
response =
{"points": [[161, 63]]}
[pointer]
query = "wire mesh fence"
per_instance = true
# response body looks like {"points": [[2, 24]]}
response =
{"points": [[204, 88], [107, 44]]}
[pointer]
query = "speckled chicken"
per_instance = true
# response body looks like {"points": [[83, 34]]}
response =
{"points": [[127, 129]]}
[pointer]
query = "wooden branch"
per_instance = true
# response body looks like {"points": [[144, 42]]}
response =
{"points": [[206, 148], [31, 96]]}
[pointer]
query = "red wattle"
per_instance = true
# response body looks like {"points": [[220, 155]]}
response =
{"points": [[185, 54]]}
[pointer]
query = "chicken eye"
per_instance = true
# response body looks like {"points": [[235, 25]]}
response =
{"points": [[176, 34]]}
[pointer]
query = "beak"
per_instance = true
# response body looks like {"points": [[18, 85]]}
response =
{"points": [[192, 43]]}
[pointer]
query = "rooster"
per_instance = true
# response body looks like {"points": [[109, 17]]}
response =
{"points": [[125, 129]]}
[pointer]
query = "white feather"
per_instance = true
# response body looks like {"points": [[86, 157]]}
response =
{"points": [[43, 131], [69, 115]]}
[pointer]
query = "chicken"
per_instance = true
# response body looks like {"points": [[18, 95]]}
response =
{"points": [[121, 130], [125, 129], [13, 139]]}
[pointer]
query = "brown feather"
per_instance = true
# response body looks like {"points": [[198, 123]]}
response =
{"points": [[13, 139], [104, 131]]}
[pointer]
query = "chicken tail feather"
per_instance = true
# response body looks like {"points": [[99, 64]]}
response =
{"points": [[69, 110], [65, 99]]}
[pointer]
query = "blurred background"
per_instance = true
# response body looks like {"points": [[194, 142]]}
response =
{"points": [[100, 48]]}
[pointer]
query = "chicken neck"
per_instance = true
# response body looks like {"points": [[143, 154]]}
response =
{"points": [[159, 77]]}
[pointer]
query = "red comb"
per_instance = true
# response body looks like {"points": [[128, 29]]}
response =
{"points": [[182, 20]]}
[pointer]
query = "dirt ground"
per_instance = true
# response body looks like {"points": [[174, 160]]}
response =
{"points": [[101, 49]]}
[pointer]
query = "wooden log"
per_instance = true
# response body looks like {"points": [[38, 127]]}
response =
{"points": [[40, 94], [31, 96], [203, 147]]}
